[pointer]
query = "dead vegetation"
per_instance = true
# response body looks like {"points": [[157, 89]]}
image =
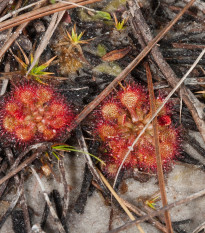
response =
{"points": [[99, 47]]}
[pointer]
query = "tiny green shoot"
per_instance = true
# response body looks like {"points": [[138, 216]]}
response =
{"points": [[152, 203], [119, 25], [37, 71], [74, 38], [54, 153], [67, 148]]}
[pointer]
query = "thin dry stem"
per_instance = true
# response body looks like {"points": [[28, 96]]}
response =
{"points": [[140, 213], [157, 149], [19, 168], [199, 228], [19, 10], [56, 18], [15, 35], [89, 161], [160, 211], [24, 19], [38, 146], [119, 200], [43, 11]]}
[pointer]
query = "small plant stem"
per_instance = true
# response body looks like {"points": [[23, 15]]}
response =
{"points": [[119, 200], [157, 149]]}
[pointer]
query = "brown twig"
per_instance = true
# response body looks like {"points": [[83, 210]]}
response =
{"points": [[8, 33], [38, 146], [15, 35], [19, 168], [43, 11], [157, 149], [3, 4], [141, 213], [89, 161], [56, 18], [10, 41], [160, 211], [24, 19], [18, 10], [120, 201]]}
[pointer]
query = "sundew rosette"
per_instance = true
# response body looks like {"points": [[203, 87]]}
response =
{"points": [[119, 120], [32, 113]]}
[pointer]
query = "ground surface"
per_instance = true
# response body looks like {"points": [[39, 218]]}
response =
{"points": [[81, 74]]}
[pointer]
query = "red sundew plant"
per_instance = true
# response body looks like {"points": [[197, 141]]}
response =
{"points": [[120, 119], [33, 112]]}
